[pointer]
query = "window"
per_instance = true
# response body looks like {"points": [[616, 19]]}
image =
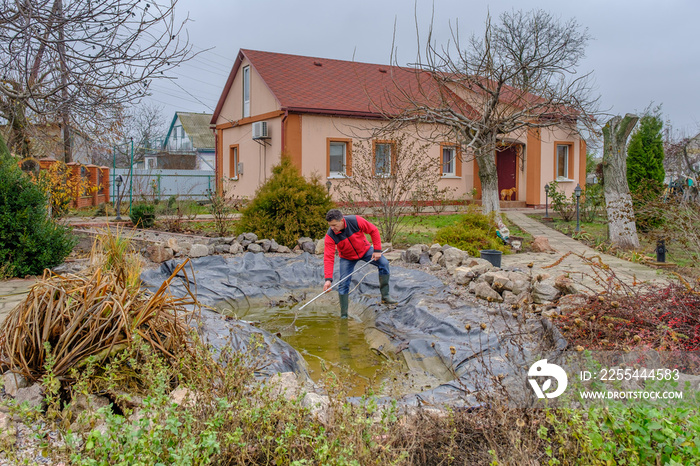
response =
{"points": [[233, 162], [246, 91], [383, 158], [449, 160], [563, 162], [336, 155]]}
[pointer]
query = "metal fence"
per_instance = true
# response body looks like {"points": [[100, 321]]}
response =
{"points": [[161, 184]]}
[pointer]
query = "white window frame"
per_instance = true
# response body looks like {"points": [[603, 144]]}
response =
{"points": [[391, 146], [344, 163], [452, 162], [246, 91], [565, 176]]}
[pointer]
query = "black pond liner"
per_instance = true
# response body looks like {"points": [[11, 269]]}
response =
{"points": [[431, 344]]}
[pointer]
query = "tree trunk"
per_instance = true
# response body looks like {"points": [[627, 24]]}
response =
{"points": [[486, 161], [618, 202], [65, 111]]}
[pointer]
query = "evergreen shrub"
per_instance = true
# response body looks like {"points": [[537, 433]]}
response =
{"points": [[474, 232], [30, 241], [143, 215], [287, 207]]}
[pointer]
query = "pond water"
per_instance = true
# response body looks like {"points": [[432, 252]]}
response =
{"points": [[331, 346]]}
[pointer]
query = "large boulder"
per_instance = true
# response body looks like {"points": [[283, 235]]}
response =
{"points": [[541, 244], [309, 246], [199, 250], [452, 258], [544, 292], [254, 247], [412, 254], [14, 382], [484, 291]]}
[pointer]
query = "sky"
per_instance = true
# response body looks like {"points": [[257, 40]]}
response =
{"points": [[642, 52]]}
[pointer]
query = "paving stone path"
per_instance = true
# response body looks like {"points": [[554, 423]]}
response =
{"points": [[12, 292], [577, 268]]}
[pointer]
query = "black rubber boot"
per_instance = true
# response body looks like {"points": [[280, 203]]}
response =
{"points": [[384, 290], [343, 305]]}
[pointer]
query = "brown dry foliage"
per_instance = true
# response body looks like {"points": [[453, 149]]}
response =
{"points": [[84, 316]]}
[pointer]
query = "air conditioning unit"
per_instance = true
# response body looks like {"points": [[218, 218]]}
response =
{"points": [[260, 130]]}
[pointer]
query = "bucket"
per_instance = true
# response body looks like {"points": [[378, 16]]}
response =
{"points": [[492, 255]]}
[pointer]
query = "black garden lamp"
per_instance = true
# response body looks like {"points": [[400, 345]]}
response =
{"points": [[546, 201], [328, 186], [577, 191], [119, 182]]}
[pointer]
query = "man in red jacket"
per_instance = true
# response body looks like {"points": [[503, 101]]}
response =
{"points": [[347, 233]]}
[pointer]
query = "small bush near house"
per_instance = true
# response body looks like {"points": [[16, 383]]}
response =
{"points": [[474, 232], [143, 215], [565, 207], [287, 207], [29, 240]]}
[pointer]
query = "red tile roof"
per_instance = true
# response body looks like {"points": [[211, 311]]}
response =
{"points": [[327, 86]]}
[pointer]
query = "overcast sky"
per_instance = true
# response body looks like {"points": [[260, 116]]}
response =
{"points": [[642, 51]]}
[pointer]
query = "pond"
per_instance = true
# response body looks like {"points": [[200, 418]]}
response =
{"points": [[331, 346]]}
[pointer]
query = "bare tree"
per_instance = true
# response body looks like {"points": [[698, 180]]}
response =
{"points": [[386, 178], [78, 62], [520, 74], [618, 202]]}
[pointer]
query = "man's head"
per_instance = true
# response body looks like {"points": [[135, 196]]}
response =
{"points": [[334, 217]]}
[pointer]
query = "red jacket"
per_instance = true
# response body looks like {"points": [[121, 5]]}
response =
{"points": [[351, 242]]}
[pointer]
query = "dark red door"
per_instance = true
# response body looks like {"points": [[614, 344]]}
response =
{"points": [[506, 165]]}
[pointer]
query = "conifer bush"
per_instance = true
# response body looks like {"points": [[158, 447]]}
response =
{"points": [[30, 241], [474, 232], [287, 207]]}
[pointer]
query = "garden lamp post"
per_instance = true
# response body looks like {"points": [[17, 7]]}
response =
{"points": [[546, 201], [328, 186], [119, 181], [577, 191]]}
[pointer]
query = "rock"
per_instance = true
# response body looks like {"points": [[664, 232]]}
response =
{"points": [[33, 396], [303, 240], [235, 248], [320, 246], [245, 243], [240, 237], [182, 395], [464, 275], [14, 382], [479, 266], [199, 250], [518, 276], [509, 297], [434, 268], [318, 405], [252, 237], [520, 286], [297, 249], [565, 285], [424, 258], [254, 247], [309, 247], [412, 254], [90, 403], [172, 244], [445, 247], [159, 253], [229, 240], [283, 250], [7, 430], [501, 282], [571, 303], [215, 241], [434, 249], [211, 249], [185, 247], [484, 291], [285, 384], [544, 292], [541, 244], [274, 247], [452, 258], [222, 248], [550, 312], [264, 244], [436, 257], [387, 247]]}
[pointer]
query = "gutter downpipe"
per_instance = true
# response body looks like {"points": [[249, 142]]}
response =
{"points": [[284, 132]]}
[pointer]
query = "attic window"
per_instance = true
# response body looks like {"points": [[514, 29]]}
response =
{"points": [[382, 70], [318, 63]]}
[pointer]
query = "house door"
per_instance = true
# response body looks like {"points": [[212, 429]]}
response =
{"points": [[506, 166]]}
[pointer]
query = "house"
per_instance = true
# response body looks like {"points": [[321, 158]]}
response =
{"points": [[189, 141], [313, 108]]}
